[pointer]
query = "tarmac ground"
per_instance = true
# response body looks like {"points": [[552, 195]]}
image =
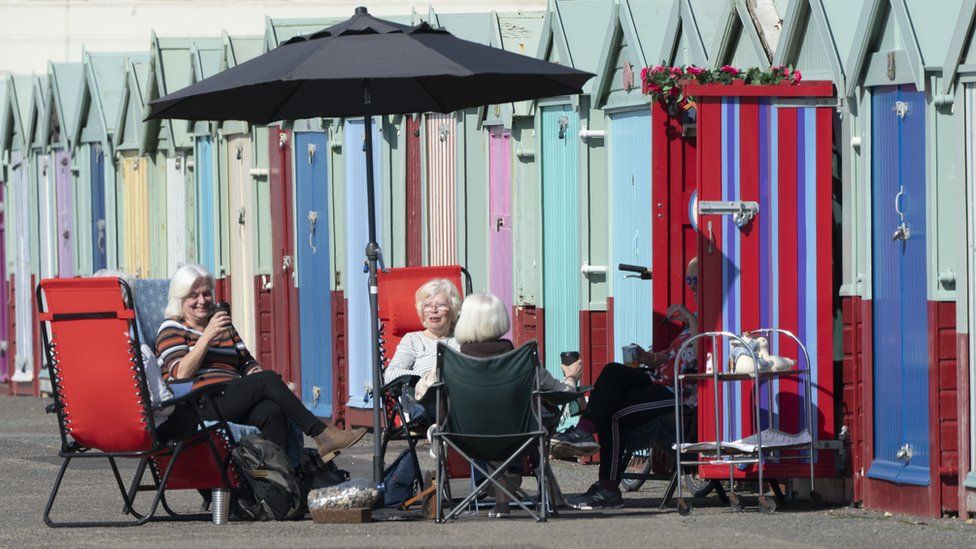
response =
{"points": [[29, 444]]}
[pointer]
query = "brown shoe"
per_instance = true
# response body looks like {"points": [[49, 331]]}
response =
{"points": [[332, 439]]}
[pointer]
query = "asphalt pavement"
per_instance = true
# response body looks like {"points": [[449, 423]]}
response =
{"points": [[29, 444]]}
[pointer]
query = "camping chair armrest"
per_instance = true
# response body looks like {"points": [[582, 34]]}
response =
{"points": [[402, 380], [561, 398], [430, 397], [210, 390]]}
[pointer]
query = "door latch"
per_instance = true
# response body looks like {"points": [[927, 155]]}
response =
{"points": [[316, 395], [285, 262], [311, 152], [742, 212], [900, 109], [499, 223], [313, 217], [282, 140], [101, 235], [904, 453], [240, 216]]}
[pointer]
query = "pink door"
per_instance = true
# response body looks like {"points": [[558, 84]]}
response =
{"points": [[4, 326], [65, 209], [500, 215]]}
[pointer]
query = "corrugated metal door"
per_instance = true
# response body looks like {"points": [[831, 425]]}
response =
{"points": [[630, 215], [24, 360], [774, 271], [176, 214], [441, 189], [158, 232], [560, 232], [900, 346], [970, 110], [312, 248], [65, 213], [206, 207], [243, 243], [357, 236], [135, 198], [500, 216], [47, 215], [99, 241]]}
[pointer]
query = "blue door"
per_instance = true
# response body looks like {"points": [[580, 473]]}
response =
{"points": [[900, 343], [560, 233], [98, 233], [312, 249], [630, 218], [206, 210], [355, 278]]}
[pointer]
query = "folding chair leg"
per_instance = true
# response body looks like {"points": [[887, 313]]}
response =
{"points": [[130, 500], [669, 493]]}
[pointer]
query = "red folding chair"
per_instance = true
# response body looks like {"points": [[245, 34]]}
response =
{"points": [[398, 317], [102, 400]]}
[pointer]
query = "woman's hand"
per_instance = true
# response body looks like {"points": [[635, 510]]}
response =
{"points": [[219, 324], [574, 370], [680, 312]]}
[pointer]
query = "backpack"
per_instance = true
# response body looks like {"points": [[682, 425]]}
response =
{"points": [[270, 490], [399, 481]]}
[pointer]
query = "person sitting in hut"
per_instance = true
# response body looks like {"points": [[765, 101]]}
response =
{"points": [[625, 396]]}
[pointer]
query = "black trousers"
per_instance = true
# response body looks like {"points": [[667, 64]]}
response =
{"points": [[262, 400], [623, 398]]}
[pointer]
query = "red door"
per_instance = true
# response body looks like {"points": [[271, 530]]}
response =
{"points": [[284, 294], [415, 243], [674, 184]]}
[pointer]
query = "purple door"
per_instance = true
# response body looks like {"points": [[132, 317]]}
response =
{"points": [[65, 207], [500, 216]]}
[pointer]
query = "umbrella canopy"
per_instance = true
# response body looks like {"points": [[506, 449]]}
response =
{"points": [[409, 70], [361, 67]]}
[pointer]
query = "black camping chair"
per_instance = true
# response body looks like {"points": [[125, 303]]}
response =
{"points": [[508, 387]]}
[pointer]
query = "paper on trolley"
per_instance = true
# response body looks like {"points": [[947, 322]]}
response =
{"points": [[771, 438]]}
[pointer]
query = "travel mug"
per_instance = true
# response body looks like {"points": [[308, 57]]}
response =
{"points": [[220, 505], [569, 357]]}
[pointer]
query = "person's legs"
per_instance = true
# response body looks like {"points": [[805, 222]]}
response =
{"points": [[268, 417]]}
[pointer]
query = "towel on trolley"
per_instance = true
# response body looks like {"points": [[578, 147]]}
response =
{"points": [[771, 438]]}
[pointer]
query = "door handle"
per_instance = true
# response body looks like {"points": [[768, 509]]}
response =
{"points": [[902, 232], [313, 217], [901, 193], [101, 235], [499, 223]]}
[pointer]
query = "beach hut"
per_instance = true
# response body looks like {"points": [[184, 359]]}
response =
{"points": [[96, 119], [42, 192], [509, 126], [247, 197], [631, 42], [959, 83], [6, 266], [65, 80], [23, 364], [132, 168], [570, 282], [910, 255], [688, 39], [816, 39]]}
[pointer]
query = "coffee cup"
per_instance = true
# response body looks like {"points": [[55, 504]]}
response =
{"points": [[631, 355], [569, 357]]}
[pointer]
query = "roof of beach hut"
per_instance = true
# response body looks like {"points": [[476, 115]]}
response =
{"points": [[961, 56], [62, 102], [633, 37], [280, 30], [236, 50], [517, 32], [691, 31], [99, 94], [38, 111], [567, 34], [131, 130], [748, 33], [817, 38], [910, 29]]}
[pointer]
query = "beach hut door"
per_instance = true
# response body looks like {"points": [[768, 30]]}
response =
{"points": [[99, 238], [312, 248], [65, 212], [560, 233], [900, 331], [206, 209], [500, 215]]}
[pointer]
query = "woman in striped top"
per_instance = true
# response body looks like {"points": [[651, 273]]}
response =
{"points": [[199, 344]]}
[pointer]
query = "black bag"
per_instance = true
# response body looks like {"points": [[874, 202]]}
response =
{"points": [[399, 481], [313, 474], [270, 490]]}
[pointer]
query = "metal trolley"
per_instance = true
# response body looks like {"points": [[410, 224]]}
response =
{"points": [[719, 452]]}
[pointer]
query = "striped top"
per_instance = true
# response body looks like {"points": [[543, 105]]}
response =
{"points": [[226, 359]]}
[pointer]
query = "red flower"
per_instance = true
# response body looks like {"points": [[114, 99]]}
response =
{"points": [[730, 70], [644, 73], [797, 77], [654, 88], [694, 71], [676, 72], [658, 69]]}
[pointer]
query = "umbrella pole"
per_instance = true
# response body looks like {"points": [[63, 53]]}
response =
{"points": [[372, 256]]}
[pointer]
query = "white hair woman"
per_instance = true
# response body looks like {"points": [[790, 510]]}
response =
{"points": [[484, 320], [197, 343], [438, 303]]}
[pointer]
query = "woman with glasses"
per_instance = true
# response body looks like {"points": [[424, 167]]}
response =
{"points": [[438, 304], [625, 397]]}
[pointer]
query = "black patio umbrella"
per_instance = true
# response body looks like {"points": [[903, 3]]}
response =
{"points": [[362, 67]]}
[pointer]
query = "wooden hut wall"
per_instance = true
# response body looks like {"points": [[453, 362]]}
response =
{"points": [[959, 87], [44, 241], [893, 95], [65, 79], [132, 167]]}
